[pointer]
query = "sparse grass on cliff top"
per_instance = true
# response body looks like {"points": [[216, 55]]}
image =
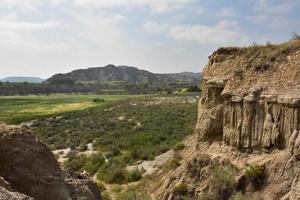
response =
{"points": [[263, 56]]}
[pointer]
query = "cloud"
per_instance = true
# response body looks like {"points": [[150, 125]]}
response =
{"points": [[274, 14], [154, 5], [18, 26], [224, 32], [153, 27], [274, 8], [227, 12]]}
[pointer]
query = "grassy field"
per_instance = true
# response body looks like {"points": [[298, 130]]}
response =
{"points": [[123, 129], [124, 132], [19, 109]]}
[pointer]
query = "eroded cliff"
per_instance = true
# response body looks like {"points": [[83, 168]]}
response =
{"points": [[248, 127], [251, 97], [28, 170]]}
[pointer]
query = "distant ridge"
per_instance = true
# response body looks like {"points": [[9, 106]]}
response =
{"points": [[20, 79], [112, 73]]}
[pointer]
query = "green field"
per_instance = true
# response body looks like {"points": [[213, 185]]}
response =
{"points": [[14, 110], [123, 128], [125, 131]]}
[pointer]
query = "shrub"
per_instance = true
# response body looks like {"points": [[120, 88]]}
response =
{"points": [[98, 100], [193, 89], [75, 163], [134, 175], [253, 171], [101, 186], [116, 173], [255, 175], [173, 162], [113, 151], [222, 181], [93, 163], [179, 146], [181, 188], [117, 189], [105, 196], [239, 196]]}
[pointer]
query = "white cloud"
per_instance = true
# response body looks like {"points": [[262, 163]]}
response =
{"points": [[153, 27], [224, 32], [274, 14], [154, 5], [274, 8], [17, 26], [227, 12]]}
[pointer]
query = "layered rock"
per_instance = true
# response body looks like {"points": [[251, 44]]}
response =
{"points": [[251, 97], [29, 167]]}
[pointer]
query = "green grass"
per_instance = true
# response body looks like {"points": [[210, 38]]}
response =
{"points": [[124, 131], [123, 128], [15, 110]]}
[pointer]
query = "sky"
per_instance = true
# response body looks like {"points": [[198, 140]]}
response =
{"points": [[44, 37]]}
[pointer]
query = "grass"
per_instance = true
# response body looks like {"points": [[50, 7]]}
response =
{"points": [[123, 132], [17, 109], [122, 129]]}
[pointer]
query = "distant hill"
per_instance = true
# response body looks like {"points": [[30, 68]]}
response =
{"points": [[20, 79], [112, 73]]}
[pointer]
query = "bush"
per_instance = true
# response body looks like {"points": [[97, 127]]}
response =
{"points": [[116, 173], [181, 188], [179, 146], [253, 171], [93, 163], [101, 186], [239, 196], [98, 100], [193, 89], [222, 181], [255, 175], [134, 175], [113, 151], [105, 196], [174, 162]]}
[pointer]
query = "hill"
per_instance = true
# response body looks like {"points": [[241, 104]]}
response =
{"points": [[112, 73], [21, 79]]}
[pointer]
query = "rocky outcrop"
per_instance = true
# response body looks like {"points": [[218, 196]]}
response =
{"points": [[29, 167], [248, 129], [250, 101]]}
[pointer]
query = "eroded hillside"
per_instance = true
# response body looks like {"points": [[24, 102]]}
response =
{"points": [[248, 129]]}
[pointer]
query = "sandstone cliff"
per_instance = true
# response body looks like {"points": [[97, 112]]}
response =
{"points": [[28, 170], [248, 128], [251, 97]]}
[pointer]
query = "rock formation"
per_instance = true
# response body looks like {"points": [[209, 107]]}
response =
{"points": [[28, 170], [251, 97], [248, 118]]}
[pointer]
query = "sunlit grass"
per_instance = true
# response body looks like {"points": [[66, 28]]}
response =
{"points": [[14, 110]]}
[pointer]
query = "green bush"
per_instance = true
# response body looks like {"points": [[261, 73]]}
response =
{"points": [[240, 196], [253, 171], [179, 146], [222, 183], [181, 188], [106, 196], [134, 175], [116, 173]]}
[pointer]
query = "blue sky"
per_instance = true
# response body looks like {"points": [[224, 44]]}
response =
{"points": [[44, 37]]}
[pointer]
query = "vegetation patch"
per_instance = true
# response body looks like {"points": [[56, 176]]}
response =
{"points": [[122, 133]]}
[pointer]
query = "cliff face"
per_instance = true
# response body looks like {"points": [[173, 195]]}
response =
{"points": [[251, 97], [248, 129], [28, 170]]}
